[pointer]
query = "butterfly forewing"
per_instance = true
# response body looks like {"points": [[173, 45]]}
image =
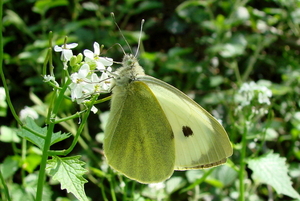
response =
{"points": [[139, 141], [200, 140]]}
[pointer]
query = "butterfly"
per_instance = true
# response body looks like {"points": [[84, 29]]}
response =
{"points": [[154, 128]]}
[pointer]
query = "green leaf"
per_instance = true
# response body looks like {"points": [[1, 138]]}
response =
{"points": [[28, 191], [178, 51], [37, 140], [193, 11], [9, 166], [234, 47], [8, 135], [42, 6], [224, 174], [68, 171], [272, 170], [12, 18], [31, 162], [147, 5], [174, 183]]}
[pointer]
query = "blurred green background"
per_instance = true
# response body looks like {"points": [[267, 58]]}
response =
{"points": [[207, 49]]}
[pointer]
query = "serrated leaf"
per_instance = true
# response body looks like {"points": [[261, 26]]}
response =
{"points": [[68, 171], [39, 141], [271, 169]]}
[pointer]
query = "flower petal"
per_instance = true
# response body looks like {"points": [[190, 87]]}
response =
{"points": [[57, 48], [84, 70], [96, 48], [94, 109], [89, 54], [100, 66], [71, 45], [67, 54], [106, 61]]}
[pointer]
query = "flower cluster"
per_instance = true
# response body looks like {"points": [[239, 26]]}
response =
{"points": [[84, 68], [254, 96]]}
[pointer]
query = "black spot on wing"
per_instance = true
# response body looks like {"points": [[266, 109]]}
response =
{"points": [[187, 131]]}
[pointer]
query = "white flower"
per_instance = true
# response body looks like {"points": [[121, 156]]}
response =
{"points": [[263, 95], [66, 52], [247, 93], [95, 56], [81, 75], [2, 94], [84, 84], [252, 90], [242, 13], [76, 92], [94, 109], [91, 86], [96, 84], [106, 83], [28, 112], [157, 186], [79, 80], [48, 78]]}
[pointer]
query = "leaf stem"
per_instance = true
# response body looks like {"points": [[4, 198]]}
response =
{"points": [[242, 162], [79, 130]]}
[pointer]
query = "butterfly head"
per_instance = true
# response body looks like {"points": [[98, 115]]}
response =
{"points": [[129, 71]]}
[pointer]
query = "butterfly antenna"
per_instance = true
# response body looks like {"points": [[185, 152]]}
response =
{"points": [[140, 36], [113, 16], [120, 47]]}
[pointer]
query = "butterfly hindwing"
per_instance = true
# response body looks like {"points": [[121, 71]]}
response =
{"points": [[200, 140]]}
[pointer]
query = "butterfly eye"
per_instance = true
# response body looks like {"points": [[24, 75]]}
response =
{"points": [[129, 63]]}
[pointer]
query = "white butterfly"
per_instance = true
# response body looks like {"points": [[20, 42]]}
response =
{"points": [[154, 129]]}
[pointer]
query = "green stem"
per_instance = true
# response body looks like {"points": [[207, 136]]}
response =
{"points": [[46, 148], [76, 115], [44, 70], [264, 133], [79, 130], [42, 172], [5, 87], [48, 59], [235, 67], [252, 60], [112, 192], [2, 73], [24, 149], [243, 163], [6, 192], [198, 181]]}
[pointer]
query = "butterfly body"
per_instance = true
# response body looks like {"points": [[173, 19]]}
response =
{"points": [[154, 129]]}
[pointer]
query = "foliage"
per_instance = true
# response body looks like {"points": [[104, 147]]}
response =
{"points": [[272, 170], [238, 59]]}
